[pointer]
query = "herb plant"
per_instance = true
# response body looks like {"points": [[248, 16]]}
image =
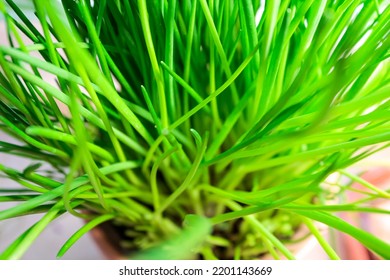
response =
{"points": [[209, 126]]}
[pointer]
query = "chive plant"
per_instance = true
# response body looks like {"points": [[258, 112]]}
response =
{"points": [[209, 126]]}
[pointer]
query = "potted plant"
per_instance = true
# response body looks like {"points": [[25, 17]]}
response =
{"points": [[204, 129]]}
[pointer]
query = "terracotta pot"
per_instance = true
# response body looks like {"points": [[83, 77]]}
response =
{"points": [[307, 249], [106, 238]]}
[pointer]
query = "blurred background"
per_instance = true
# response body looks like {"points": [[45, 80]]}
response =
{"points": [[51, 240]]}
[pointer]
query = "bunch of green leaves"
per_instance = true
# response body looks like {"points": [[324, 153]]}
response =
{"points": [[165, 111]]}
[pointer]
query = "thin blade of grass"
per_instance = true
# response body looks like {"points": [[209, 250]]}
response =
{"points": [[370, 241], [82, 231]]}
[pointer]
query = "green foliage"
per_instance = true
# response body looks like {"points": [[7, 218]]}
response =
{"points": [[166, 111]]}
